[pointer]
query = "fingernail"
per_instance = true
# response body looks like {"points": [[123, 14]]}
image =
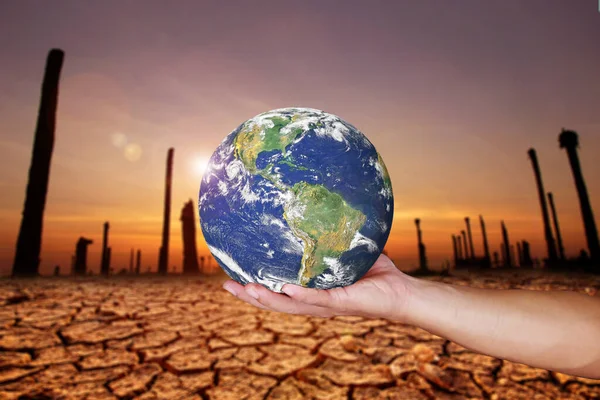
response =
{"points": [[252, 293], [230, 290]]}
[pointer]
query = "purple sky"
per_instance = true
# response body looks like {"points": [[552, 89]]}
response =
{"points": [[451, 93]]}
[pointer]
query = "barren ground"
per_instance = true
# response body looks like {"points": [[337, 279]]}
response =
{"points": [[173, 338]]}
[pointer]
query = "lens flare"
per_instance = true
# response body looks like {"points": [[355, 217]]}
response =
{"points": [[133, 152]]}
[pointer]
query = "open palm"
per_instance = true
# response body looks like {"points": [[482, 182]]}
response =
{"points": [[382, 292]]}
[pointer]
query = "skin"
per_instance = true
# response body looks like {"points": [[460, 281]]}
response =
{"points": [[553, 330]]}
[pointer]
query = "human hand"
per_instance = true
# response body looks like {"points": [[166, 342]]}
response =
{"points": [[382, 293]]}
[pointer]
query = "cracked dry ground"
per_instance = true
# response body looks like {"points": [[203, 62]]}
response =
{"points": [[189, 339]]}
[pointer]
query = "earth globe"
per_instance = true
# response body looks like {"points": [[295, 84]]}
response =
{"points": [[296, 195]]}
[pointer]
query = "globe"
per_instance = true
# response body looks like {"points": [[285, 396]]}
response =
{"points": [[296, 195]]}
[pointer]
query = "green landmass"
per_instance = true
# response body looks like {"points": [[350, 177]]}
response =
{"points": [[289, 162], [324, 222], [249, 143]]}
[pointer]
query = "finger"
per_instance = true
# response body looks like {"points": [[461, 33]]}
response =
{"points": [[282, 303], [232, 287], [336, 299], [237, 290]]}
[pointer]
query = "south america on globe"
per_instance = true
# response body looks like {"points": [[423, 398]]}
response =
{"points": [[296, 195]]}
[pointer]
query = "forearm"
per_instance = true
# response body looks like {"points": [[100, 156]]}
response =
{"points": [[557, 331]]}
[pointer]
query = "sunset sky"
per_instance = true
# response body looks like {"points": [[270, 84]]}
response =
{"points": [[452, 94]]}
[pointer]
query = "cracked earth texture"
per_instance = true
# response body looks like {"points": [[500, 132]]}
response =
{"points": [[172, 338]]}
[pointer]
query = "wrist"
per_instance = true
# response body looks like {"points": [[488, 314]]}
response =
{"points": [[407, 300], [427, 303]]}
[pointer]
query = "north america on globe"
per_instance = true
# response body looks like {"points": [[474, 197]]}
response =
{"points": [[296, 195]]}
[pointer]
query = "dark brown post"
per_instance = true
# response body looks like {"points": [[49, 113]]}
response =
{"points": [[455, 250], [552, 257], [459, 247], [105, 263], [506, 246], [486, 250], [163, 258], [569, 141], [188, 231], [519, 254], [527, 261], [470, 238], [561, 249], [80, 265], [464, 240], [29, 241], [422, 256], [138, 262]]}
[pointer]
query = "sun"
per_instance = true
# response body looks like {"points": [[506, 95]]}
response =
{"points": [[199, 164]]}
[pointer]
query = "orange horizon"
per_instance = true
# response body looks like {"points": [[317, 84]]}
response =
{"points": [[58, 243]]}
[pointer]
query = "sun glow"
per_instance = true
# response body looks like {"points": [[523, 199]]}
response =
{"points": [[199, 164]]}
